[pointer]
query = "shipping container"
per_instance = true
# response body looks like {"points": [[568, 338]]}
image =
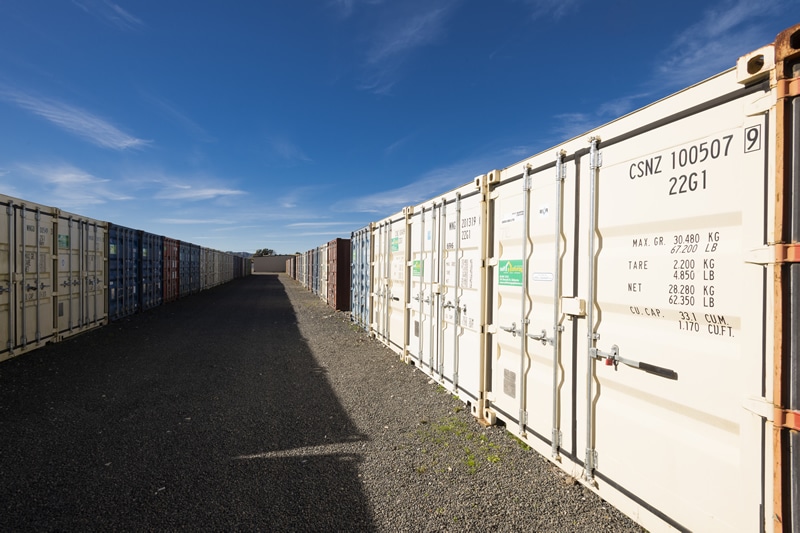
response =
{"points": [[52, 275], [446, 278], [360, 295], [634, 325], [172, 270], [338, 286], [151, 290], [27, 253], [80, 274], [124, 271], [189, 268], [390, 289], [322, 287]]}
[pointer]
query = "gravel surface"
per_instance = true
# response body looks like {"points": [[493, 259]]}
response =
{"points": [[254, 406]]}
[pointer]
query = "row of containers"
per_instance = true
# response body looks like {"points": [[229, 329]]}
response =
{"points": [[626, 303], [63, 274], [325, 271]]}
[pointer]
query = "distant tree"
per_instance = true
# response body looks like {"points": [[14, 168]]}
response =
{"points": [[261, 252]]}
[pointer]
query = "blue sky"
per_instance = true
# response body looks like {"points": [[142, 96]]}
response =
{"points": [[283, 124]]}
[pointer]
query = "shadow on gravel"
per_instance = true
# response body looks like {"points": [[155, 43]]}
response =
{"points": [[209, 413]]}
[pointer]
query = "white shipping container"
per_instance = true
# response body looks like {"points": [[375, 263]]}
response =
{"points": [[389, 282], [631, 331], [27, 252], [81, 302], [445, 308]]}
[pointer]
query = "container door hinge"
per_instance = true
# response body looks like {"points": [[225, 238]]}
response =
{"points": [[590, 464], [786, 418], [774, 254], [787, 253], [788, 88], [556, 441]]}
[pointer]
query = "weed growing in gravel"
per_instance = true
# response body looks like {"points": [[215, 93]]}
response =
{"points": [[477, 449]]}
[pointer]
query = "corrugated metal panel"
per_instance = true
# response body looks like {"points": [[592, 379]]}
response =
{"points": [[389, 281], [172, 266], [637, 252], [339, 274], [361, 265], [189, 268], [123, 271], [446, 289], [322, 289], [152, 271], [27, 250], [82, 267]]}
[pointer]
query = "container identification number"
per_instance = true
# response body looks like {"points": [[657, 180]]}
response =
{"points": [[687, 179]]}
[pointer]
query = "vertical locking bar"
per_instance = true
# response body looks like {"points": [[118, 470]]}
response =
{"points": [[38, 217], [96, 263], [442, 287], [594, 168], [523, 321], [431, 318], [456, 290], [12, 252], [420, 283], [23, 283], [69, 276], [560, 170]]}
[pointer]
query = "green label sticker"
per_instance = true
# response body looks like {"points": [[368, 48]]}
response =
{"points": [[510, 272], [395, 244], [63, 241], [417, 268], [112, 249]]}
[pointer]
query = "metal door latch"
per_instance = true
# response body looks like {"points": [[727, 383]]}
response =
{"points": [[613, 358], [512, 329], [541, 337]]}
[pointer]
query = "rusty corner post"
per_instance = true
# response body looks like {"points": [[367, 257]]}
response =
{"points": [[786, 436]]}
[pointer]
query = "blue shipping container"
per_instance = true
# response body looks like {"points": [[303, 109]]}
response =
{"points": [[360, 277], [189, 268], [151, 293], [123, 271]]}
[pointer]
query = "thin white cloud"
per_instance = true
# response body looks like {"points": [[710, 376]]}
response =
{"points": [[67, 186], [110, 13], [190, 193], [727, 30], [193, 221], [552, 8], [73, 120], [346, 8], [288, 151], [397, 144], [320, 224], [392, 42], [429, 185], [180, 118]]}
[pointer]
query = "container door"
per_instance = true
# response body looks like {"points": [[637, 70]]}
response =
{"points": [[27, 276], [678, 309], [7, 287], [35, 244], [422, 333], [508, 363], [123, 269], [462, 294], [152, 270], [389, 274], [360, 270]]}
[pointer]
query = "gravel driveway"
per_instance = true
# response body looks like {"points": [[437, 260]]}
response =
{"points": [[253, 406]]}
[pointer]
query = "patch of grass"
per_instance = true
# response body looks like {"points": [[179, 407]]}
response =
{"points": [[440, 434]]}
